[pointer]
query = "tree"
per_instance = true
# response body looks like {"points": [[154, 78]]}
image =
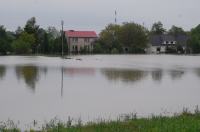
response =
{"points": [[194, 40], [5, 40], [19, 31], [32, 28], [175, 31], [109, 38], [133, 36], [55, 45], [22, 45], [97, 49], [46, 44], [53, 32], [157, 29]]}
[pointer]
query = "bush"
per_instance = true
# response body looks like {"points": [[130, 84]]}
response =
{"points": [[97, 48], [114, 51]]}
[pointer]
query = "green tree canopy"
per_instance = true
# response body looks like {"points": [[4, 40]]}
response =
{"points": [[133, 36], [109, 37], [31, 26], [23, 44], [158, 28], [5, 40], [116, 37], [194, 40], [176, 31]]}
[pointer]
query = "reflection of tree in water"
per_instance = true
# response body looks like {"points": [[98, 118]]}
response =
{"points": [[124, 75], [175, 74], [197, 71], [157, 75], [29, 74], [2, 71]]}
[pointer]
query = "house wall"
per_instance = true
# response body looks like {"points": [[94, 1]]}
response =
{"points": [[153, 49], [81, 43]]}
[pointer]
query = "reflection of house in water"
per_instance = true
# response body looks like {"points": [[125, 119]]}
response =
{"points": [[2, 71], [79, 71], [124, 75], [30, 74]]}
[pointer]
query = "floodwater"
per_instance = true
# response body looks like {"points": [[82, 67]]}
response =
{"points": [[96, 87]]}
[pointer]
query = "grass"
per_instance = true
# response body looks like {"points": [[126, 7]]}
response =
{"points": [[184, 122]]}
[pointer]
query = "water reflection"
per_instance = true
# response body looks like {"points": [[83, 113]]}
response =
{"points": [[197, 72], [157, 75], [80, 71], [175, 74], [30, 74], [2, 71], [124, 75]]}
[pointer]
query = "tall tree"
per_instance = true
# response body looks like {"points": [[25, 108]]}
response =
{"points": [[32, 28], [158, 29]]}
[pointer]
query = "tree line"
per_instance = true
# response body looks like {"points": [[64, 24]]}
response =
{"points": [[128, 37], [31, 39], [134, 38]]}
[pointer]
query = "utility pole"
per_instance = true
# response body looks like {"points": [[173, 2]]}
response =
{"points": [[115, 17], [62, 23]]}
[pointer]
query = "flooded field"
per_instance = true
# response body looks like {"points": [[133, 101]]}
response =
{"points": [[95, 87]]}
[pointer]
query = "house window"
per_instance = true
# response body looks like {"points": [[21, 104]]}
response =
{"points": [[75, 40], [174, 42], [86, 40]]}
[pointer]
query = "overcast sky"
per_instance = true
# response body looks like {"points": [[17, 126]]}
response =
{"points": [[96, 14]]}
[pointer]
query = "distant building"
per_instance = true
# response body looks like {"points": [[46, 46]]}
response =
{"points": [[160, 43], [80, 40]]}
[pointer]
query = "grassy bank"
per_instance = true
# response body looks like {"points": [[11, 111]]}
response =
{"points": [[184, 122]]}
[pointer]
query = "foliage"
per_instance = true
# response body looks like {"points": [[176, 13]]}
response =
{"points": [[134, 36], [23, 44], [5, 40], [116, 37], [31, 26], [158, 28], [109, 37], [184, 122], [175, 31], [194, 41], [98, 48]]}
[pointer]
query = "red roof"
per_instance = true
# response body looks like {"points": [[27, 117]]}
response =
{"points": [[81, 34]]}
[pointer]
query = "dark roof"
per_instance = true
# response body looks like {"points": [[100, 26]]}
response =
{"points": [[182, 39], [157, 40], [168, 38]]}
